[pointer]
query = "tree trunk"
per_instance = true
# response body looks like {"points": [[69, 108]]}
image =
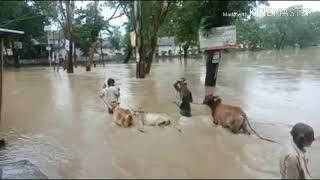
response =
{"points": [[128, 56], [141, 61], [140, 71], [69, 10], [211, 70], [140, 55], [102, 57], [70, 62], [75, 56], [149, 62], [1, 69], [91, 54], [151, 53]]}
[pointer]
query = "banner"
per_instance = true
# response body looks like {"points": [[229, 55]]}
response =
{"points": [[218, 37], [133, 38]]}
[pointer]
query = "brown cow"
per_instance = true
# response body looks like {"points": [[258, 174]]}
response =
{"points": [[122, 117], [231, 117]]}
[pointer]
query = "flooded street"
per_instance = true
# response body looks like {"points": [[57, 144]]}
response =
{"points": [[58, 122]]}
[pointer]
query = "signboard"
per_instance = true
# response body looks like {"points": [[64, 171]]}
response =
{"points": [[133, 38], [218, 37]]}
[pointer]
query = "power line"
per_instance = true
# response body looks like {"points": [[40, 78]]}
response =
{"points": [[5, 23]]}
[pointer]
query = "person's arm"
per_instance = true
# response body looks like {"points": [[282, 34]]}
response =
{"points": [[293, 170], [102, 93], [118, 92], [176, 86]]}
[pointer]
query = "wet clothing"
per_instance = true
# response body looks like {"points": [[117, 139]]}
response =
{"points": [[185, 108], [112, 95], [186, 99], [293, 163]]}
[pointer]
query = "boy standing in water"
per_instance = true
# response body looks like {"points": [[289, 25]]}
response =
{"points": [[293, 163], [185, 97], [111, 93]]}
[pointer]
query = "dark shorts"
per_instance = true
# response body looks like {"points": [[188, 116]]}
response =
{"points": [[185, 109], [185, 113]]}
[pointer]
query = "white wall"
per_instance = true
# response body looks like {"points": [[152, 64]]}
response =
{"points": [[174, 50]]}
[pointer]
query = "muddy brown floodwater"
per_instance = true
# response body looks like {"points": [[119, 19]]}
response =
{"points": [[58, 122]]}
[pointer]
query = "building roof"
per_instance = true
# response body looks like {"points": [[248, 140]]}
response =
{"points": [[166, 41], [9, 31]]}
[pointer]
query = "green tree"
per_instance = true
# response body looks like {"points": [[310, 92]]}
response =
{"points": [[127, 9], [61, 12], [149, 16], [90, 22], [22, 16], [116, 38], [287, 29], [192, 17], [183, 23]]}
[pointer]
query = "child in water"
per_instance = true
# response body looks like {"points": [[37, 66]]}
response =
{"points": [[294, 163], [185, 97], [111, 93]]}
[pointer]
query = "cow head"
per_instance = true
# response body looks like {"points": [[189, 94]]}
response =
{"points": [[211, 100], [114, 105]]}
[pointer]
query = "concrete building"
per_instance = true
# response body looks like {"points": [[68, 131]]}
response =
{"points": [[166, 47]]}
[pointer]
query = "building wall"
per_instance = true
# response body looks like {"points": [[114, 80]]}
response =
{"points": [[164, 50]]}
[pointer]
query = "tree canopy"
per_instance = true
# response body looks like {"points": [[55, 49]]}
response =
{"points": [[280, 31]]}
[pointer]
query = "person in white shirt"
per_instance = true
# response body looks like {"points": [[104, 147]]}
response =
{"points": [[294, 162], [111, 93]]}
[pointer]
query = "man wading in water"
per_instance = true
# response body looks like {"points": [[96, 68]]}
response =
{"points": [[293, 163], [185, 97], [111, 93]]}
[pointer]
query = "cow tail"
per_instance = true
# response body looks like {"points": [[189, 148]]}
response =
{"points": [[246, 120]]}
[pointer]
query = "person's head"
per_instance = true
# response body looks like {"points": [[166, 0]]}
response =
{"points": [[110, 82], [303, 135], [184, 81]]}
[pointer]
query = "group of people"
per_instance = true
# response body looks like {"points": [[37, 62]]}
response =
{"points": [[112, 94], [293, 162], [59, 61]]}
